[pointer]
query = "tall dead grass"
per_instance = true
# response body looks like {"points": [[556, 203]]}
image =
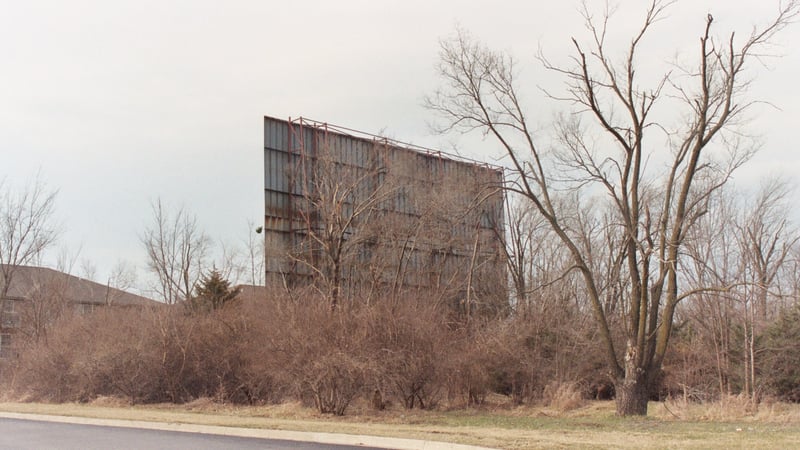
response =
{"points": [[565, 396], [727, 408]]}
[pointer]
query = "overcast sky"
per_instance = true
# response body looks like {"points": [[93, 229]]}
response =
{"points": [[118, 103]]}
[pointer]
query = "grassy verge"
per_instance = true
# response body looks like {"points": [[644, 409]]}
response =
{"points": [[593, 425]]}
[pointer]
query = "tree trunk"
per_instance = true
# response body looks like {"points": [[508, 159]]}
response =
{"points": [[632, 396], [632, 388]]}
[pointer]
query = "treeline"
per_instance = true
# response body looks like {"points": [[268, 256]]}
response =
{"points": [[735, 326], [736, 329]]}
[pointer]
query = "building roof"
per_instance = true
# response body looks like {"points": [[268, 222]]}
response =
{"points": [[29, 281]]}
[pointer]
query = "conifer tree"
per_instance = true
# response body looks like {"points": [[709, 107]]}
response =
{"points": [[212, 293]]}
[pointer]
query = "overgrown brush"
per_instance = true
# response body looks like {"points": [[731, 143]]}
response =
{"points": [[410, 353]]}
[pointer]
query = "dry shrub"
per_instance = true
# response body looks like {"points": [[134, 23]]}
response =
{"points": [[46, 373], [514, 358], [142, 355], [261, 347], [689, 368], [409, 343], [323, 354], [334, 380], [565, 396], [105, 354], [270, 350], [514, 364], [468, 368], [496, 357]]}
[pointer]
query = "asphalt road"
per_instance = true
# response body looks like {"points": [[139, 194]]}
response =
{"points": [[30, 434]]}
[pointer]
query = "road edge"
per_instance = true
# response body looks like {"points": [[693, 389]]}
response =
{"points": [[302, 436]]}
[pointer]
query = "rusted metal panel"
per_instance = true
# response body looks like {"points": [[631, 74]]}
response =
{"points": [[276, 203], [276, 173]]}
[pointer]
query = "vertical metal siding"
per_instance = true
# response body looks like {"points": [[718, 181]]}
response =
{"points": [[290, 154], [275, 132]]}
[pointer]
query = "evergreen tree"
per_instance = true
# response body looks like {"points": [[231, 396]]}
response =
{"points": [[212, 293]]}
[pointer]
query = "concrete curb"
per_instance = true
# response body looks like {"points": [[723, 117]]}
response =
{"points": [[315, 437]]}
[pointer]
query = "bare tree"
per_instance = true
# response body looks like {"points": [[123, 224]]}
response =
{"points": [[713, 259], [652, 210], [26, 229], [535, 259], [766, 238], [519, 245], [45, 303], [26, 226], [744, 243], [121, 278], [243, 261], [436, 235], [176, 252], [340, 197]]}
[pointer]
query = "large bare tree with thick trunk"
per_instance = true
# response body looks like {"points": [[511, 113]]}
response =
{"points": [[617, 173]]}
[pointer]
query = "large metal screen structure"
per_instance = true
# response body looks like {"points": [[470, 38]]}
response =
{"points": [[399, 218]]}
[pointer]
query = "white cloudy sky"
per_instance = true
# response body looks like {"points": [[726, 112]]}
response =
{"points": [[117, 103]]}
